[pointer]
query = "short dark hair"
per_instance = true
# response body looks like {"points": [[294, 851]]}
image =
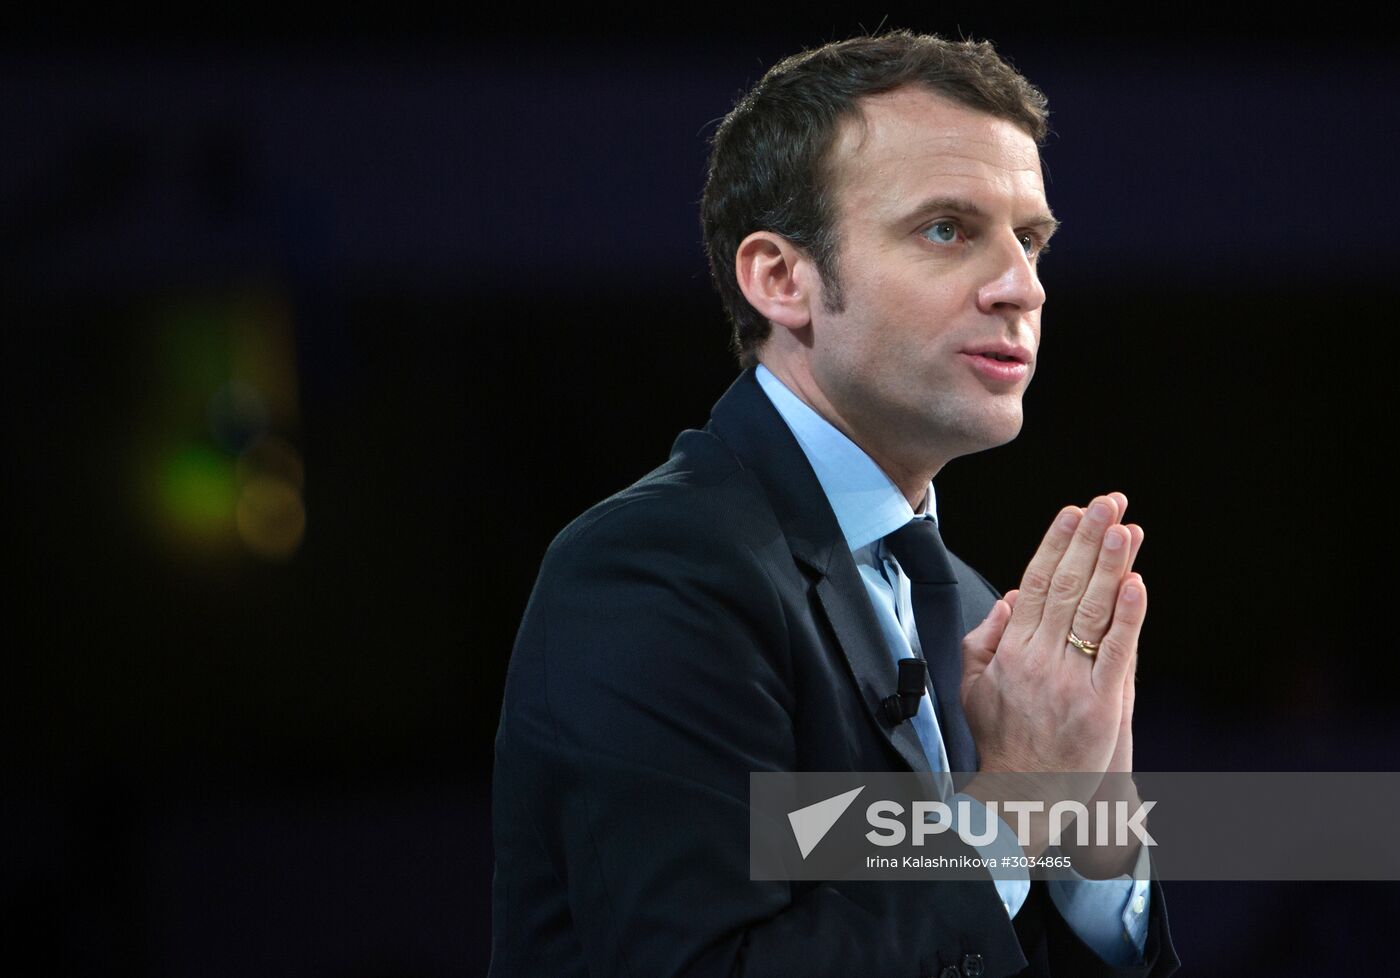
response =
{"points": [[769, 167]]}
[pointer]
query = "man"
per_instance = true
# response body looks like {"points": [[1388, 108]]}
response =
{"points": [[874, 213]]}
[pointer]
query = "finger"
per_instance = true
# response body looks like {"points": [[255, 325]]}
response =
{"points": [[1122, 503], [1094, 613], [1138, 535], [1072, 575], [981, 643], [1130, 677], [1119, 646], [1010, 597], [1035, 583]]}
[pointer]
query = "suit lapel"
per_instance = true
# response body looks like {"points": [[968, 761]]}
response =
{"points": [[748, 423], [852, 619]]}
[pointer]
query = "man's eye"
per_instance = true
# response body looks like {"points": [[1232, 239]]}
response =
{"points": [[1033, 246], [943, 232]]}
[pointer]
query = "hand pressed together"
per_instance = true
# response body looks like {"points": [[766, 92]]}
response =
{"points": [[1037, 704]]}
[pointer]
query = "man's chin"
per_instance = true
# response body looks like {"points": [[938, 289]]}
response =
{"points": [[990, 433]]}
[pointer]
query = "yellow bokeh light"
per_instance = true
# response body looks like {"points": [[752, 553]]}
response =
{"points": [[271, 457], [271, 517]]}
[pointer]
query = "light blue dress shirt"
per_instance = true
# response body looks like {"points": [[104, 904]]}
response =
{"points": [[1108, 915]]}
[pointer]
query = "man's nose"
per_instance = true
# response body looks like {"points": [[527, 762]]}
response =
{"points": [[1013, 283]]}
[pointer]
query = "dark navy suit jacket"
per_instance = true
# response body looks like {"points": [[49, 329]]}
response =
{"points": [[704, 623]]}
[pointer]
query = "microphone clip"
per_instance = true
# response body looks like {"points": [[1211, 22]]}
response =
{"points": [[913, 676]]}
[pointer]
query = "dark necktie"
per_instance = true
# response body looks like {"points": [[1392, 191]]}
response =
{"points": [[938, 618]]}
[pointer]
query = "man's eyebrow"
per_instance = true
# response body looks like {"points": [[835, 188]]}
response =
{"points": [[1044, 223]]}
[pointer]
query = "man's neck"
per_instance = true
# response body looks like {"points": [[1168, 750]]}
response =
{"points": [[912, 482]]}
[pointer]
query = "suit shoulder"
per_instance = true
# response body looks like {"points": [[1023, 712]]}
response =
{"points": [[672, 576], [701, 498]]}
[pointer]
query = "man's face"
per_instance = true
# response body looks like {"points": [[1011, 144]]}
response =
{"points": [[941, 215]]}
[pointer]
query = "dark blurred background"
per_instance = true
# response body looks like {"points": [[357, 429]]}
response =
{"points": [[315, 337]]}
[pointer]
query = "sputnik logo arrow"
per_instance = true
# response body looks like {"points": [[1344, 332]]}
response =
{"points": [[811, 824]]}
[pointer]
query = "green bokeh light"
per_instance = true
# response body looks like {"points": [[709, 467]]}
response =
{"points": [[198, 490]]}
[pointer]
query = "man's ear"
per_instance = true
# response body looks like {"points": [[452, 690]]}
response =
{"points": [[777, 278]]}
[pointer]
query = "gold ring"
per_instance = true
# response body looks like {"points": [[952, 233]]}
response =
{"points": [[1090, 649]]}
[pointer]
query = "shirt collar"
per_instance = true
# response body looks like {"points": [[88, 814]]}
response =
{"points": [[868, 506]]}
